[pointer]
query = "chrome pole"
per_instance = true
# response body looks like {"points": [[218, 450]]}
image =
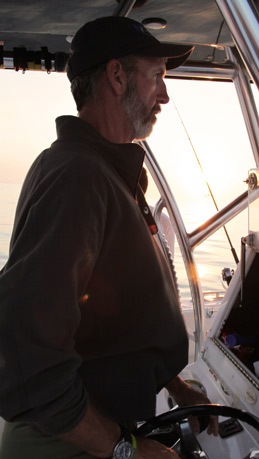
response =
{"points": [[246, 100], [124, 8], [242, 19], [217, 221]]}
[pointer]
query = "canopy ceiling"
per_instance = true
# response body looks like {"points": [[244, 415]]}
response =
{"points": [[34, 24]]}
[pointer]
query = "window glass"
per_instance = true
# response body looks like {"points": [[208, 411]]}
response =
{"points": [[201, 143]]}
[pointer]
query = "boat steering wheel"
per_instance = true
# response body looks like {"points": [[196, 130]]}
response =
{"points": [[172, 428]]}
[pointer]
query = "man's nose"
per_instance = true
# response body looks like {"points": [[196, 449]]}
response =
{"points": [[163, 96]]}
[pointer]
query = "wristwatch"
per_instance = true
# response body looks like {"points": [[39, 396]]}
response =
{"points": [[126, 446]]}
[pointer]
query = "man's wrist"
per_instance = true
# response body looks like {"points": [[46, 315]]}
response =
{"points": [[126, 447], [177, 385]]}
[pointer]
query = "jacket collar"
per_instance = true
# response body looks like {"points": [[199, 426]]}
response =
{"points": [[126, 158]]}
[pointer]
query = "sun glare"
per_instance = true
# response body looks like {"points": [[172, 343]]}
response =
{"points": [[202, 270]]}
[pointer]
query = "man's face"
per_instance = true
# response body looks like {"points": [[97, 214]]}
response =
{"points": [[145, 92]]}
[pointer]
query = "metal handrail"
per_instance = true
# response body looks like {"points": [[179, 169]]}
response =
{"points": [[246, 100], [183, 241], [201, 233]]}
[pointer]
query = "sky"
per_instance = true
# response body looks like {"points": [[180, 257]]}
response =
{"points": [[30, 103]]}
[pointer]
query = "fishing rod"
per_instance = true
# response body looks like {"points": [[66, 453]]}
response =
{"points": [[233, 251]]}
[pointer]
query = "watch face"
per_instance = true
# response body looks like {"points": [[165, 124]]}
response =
{"points": [[123, 450]]}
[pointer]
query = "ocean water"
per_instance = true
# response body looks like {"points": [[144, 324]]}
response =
{"points": [[9, 193], [211, 256]]}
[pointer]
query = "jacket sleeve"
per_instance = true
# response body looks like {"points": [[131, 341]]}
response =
{"points": [[57, 238]]}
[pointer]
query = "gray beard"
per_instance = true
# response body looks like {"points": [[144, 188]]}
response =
{"points": [[135, 110]]}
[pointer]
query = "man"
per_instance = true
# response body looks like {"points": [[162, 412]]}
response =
{"points": [[91, 328]]}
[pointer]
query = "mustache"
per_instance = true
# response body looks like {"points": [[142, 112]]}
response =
{"points": [[156, 109]]}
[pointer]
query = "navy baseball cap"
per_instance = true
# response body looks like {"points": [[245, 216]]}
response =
{"points": [[111, 37]]}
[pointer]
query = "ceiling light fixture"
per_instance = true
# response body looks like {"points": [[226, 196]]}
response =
{"points": [[154, 23]]}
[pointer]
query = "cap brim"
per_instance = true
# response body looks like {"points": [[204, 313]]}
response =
{"points": [[176, 55]]}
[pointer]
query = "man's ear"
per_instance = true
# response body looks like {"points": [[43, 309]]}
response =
{"points": [[116, 76]]}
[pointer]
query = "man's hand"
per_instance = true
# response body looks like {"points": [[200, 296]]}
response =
{"points": [[185, 395], [151, 449]]}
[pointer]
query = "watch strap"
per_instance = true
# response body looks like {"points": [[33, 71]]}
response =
{"points": [[134, 447]]}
